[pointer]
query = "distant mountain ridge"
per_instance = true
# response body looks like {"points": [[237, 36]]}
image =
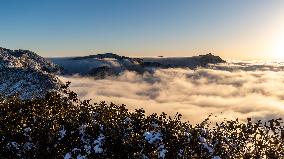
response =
{"points": [[26, 74], [110, 64], [109, 55]]}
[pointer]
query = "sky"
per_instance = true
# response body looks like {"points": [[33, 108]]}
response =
{"points": [[234, 29]]}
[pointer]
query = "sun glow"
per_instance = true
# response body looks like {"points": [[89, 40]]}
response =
{"points": [[278, 48]]}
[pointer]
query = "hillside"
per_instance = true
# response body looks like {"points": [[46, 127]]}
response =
{"points": [[25, 73]]}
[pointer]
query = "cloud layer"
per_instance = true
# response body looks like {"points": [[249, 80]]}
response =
{"points": [[235, 90]]}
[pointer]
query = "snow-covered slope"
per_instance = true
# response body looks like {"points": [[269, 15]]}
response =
{"points": [[102, 65], [25, 73], [26, 59]]}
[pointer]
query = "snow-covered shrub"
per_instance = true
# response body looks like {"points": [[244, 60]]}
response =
{"points": [[62, 126]]}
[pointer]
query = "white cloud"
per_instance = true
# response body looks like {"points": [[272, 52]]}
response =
{"points": [[237, 90]]}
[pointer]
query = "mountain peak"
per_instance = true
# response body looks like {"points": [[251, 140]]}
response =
{"points": [[210, 58], [26, 59], [25, 73]]}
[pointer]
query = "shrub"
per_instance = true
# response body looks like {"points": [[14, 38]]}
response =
{"points": [[62, 126]]}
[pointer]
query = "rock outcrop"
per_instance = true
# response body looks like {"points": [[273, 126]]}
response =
{"points": [[26, 74]]}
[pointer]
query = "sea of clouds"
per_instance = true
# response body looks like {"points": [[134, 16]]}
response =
{"points": [[237, 89]]}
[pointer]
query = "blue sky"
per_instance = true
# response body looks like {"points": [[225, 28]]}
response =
{"points": [[230, 28]]}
